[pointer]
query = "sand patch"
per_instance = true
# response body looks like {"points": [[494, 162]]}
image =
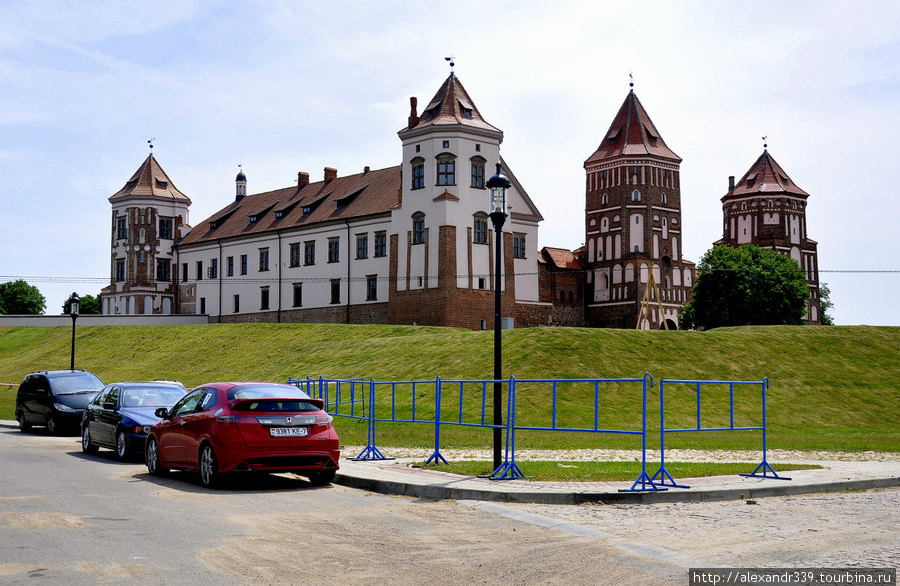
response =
{"points": [[43, 521]]}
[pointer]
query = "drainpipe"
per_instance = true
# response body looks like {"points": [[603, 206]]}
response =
{"points": [[349, 249], [219, 270], [278, 311]]}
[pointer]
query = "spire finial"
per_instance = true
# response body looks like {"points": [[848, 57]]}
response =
{"points": [[765, 145], [450, 59], [150, 142], [631, 81]]}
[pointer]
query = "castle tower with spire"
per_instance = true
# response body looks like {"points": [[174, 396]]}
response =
{"points": [[633, 225], [767, 209], [149, 214], [442, 241]]}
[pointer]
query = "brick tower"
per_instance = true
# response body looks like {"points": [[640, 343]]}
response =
{"points": [[767, 209], [633, 224], [148, 215]]}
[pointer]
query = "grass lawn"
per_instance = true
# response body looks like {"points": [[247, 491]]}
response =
{"points": [[831, 388]]}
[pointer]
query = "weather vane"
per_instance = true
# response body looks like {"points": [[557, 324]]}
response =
{"points": [[631, 80], [450, 59], [150, 142], [765, 145]]}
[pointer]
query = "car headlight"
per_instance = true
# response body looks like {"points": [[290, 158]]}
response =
{"points": [[64, 408]]}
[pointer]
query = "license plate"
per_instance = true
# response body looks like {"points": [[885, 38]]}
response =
{"points": [[288, 431]]}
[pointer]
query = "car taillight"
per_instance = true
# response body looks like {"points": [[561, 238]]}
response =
{"points": [[236, 419], [324, 419]]}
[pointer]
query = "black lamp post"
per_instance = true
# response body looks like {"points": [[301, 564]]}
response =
{"points": [[498, 184], [73, 311]]}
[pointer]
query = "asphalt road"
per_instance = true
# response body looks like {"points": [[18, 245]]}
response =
{"points": [[70, 518]]}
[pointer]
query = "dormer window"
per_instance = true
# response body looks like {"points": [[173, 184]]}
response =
{"points": [[306, 210], [279, 215], [253, 219]]}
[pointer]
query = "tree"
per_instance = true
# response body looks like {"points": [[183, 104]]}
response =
{"points": [[746, 286], [20, 298], [87, 305], [825, 305]]}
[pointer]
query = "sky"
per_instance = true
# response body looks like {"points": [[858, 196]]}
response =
{"points": [[285, 86]]}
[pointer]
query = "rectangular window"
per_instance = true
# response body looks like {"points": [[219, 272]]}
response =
{"points": [[380, 244], [243, 264], [230, 261], [295, 254], [480, 233], [165, 228], [120, 270], [264, 298], [200, 270], [518, 246], [418, 176], [163, 270], [213, 268], [121, 229], [446, 172], [477, 174], [309, 252], [481, 282], [203, 306], [263, 259], [362, 246], [335, 290], [184, 272], [334, 250], [371, 287], [298, 294], [418, 231], [237, 304]]}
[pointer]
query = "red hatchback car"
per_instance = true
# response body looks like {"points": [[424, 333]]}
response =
{"points": [[221, 428]]}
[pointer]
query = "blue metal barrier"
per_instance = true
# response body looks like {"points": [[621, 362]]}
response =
{"points": [[665, 478]]}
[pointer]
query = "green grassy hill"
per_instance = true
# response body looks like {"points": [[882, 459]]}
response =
{"points": [[832, 388]]}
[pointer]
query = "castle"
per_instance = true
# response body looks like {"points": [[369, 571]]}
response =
{"points": [[413, 243]]}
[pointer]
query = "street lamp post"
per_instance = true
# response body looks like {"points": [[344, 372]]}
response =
{"points": [[73, 311], [498, 184]]}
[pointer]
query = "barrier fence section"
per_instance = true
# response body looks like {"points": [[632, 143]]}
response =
{"points": [[663, 474]]}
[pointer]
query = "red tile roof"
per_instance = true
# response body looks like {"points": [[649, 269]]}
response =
{"points": [[150, 179], [562, 258], [765, 177], [450, 105], [353, 196], [632, 133]]}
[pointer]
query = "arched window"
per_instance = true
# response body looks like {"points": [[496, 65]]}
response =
{"points": [[665, 198], [480, 230], [446, 169], [604, 199], [635, 195], [418, 231], [478, 171], [418, 173]]}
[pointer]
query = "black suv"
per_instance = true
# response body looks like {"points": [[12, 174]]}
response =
{"points": [[55, 399]]}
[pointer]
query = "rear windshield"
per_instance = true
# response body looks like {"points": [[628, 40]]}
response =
{"points": [[265, 391], [65, 384], [278, 406]]}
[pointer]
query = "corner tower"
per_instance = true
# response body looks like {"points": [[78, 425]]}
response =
{"points": [[633, 224], [767, 209], [441, 239], [149, 214]]}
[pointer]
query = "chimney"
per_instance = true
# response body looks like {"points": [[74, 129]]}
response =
{"points": [[413, 116], [330, 174], [302, 180], [365, 169], [730, 183]]}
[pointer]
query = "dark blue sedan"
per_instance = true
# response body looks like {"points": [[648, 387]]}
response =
{"points": [[121, 414]]}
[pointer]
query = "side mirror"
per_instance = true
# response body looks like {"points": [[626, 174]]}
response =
{"points": [[162, 413], [41, 392], [109, 405]]}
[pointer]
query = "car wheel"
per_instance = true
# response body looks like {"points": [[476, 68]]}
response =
{"points": [[121, 445], [208, 468], [87, 446], [154, 464], [51, 425], [23, 426], [321, 477]]}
